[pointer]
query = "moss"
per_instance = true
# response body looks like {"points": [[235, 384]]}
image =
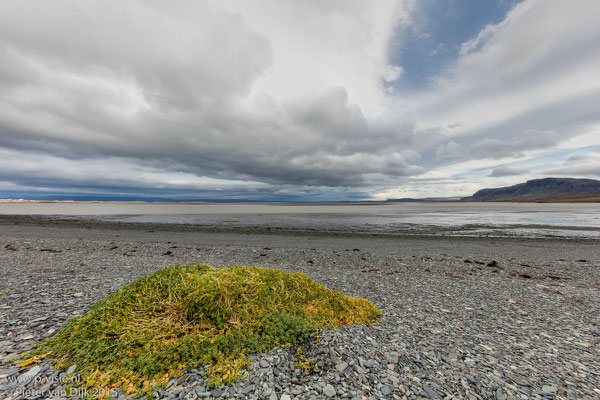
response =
{"points": [[185, 316]]}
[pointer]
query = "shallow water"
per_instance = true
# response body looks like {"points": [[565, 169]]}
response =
{"points": [[471, 219]]}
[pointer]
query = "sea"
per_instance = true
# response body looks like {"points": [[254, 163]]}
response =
{"points": [[572, 220]]}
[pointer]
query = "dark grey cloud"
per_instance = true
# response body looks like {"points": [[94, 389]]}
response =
{"points": [[507, 171], [590, 170], [584, 156]]}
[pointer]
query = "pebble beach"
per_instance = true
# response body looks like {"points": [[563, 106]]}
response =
{"points": [[463, 317]]}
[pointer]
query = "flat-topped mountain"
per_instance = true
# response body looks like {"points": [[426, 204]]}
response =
{"points": [[544, 190]]}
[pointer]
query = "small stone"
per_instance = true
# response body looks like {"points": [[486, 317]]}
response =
{"points": [[552, 389], [264, 363], [500, 395], [392, 358], [285, 397], [333, 355], [10, 357], [329, 390], [519, 380], [181, 379], [5, 343], [385, 389], [49, 333], [8, 372], [33, 371], [78, 294], [248, 389], [451, 357], [200, 388], [341, 366], [432, 394], [176, 389]]}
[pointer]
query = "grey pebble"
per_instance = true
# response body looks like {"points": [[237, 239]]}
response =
{"points": [[385, 389], [432, 394], [71, 369], [341, 366], [329, 390]]}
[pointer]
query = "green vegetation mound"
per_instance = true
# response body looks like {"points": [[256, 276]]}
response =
{"points": [[186, 316]]}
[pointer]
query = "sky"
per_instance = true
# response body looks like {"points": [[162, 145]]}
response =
{"points": [[315, 100]]}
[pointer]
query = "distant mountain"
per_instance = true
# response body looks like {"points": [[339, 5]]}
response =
{"points": [[543, 190]]}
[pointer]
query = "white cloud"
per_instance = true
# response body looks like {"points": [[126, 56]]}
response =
{"points": [[392, 73], [316, 45]]}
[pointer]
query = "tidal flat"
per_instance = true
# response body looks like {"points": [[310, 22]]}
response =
{"points": [[469, 317]]}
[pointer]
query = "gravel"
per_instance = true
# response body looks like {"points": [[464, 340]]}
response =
{"points": [[464, 318]]}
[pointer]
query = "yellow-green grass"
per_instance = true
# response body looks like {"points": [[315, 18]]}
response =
{"points": [[188, 316]]}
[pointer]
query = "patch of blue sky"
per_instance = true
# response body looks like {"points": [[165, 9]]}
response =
{"points": [[432, 42], [586, 149], [472, 174]]}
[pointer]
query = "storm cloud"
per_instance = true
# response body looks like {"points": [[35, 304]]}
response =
{"points": [[506, 171]]}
